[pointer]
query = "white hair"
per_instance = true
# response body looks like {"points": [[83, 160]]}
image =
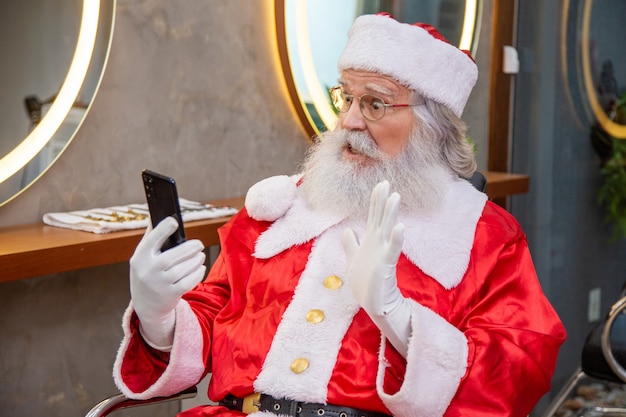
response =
{"points": [[457, 151]]}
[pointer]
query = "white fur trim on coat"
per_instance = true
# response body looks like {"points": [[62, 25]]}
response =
{"points": [[439, 244], [432, 67], [436, 348], [185, 367], [319, 342], [299, 225]]}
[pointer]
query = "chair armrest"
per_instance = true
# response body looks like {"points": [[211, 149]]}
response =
{"points": [[613, 348], [120, 401]]}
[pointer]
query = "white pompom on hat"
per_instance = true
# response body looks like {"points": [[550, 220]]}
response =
{"points": [[416, 55]]}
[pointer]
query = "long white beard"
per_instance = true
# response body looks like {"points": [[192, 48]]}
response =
{"points": [[337, 184]]}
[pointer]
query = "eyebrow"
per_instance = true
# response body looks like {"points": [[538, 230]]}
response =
{"points": [[374, 88], [380, 89]]}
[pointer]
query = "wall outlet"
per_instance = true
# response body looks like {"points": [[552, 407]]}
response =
{"points": [[594, 307]]}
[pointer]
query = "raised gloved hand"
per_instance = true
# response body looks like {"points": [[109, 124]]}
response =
{"points": [[371, 268], [159, 279]]}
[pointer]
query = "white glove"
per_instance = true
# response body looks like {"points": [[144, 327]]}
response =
{"points": [[159, 279], [371, 268]]}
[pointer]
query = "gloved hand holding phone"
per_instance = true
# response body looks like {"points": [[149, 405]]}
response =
{"points": [[159, 279]]}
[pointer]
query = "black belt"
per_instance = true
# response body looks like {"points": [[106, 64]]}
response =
{"points": [[262, 402]]}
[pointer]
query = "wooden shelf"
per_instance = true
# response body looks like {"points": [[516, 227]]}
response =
{"points": [[503, 184], [36, 249]]}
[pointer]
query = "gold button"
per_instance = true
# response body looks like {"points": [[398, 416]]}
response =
{"points": [[299, 365], [315, 316], [333, 282]]}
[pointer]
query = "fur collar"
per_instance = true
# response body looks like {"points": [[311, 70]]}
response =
{"points": [[439, 244]]}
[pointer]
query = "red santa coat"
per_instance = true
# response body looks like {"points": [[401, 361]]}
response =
{"points": [[484, 337]]}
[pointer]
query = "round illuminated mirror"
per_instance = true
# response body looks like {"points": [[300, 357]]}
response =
{"points": [[603, 64], [312, 34], [53, 54]]}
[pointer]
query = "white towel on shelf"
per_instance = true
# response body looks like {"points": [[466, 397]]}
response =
{"points": [[131, 216]]}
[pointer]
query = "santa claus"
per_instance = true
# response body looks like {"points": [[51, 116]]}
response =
{"points": [[375, 282]]}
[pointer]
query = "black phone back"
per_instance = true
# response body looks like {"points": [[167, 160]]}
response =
{"points": [[162, 198]]}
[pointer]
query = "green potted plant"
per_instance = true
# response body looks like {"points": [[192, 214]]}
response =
{"points": [[612, 152]]}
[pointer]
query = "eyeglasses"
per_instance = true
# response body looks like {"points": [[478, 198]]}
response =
{"points": [[372, 107]]}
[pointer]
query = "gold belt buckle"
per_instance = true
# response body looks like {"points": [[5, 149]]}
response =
{"points": [[251, 403]]}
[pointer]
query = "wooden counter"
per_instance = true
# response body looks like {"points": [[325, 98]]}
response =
{"points": [[503, 184], [37, 249]]}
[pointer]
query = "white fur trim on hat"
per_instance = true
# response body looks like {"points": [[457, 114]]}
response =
{"points": [[408, 53]]}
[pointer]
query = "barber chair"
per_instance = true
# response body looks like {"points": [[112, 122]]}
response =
{"points": [[603, 364], [479, 181]]}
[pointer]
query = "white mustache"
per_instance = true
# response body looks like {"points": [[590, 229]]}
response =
{"points": [[359, 143]]}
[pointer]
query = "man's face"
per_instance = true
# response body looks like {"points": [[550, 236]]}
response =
{"points": [[390, 133], [346, 163]]}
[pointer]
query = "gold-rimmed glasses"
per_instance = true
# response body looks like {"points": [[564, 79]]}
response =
{"points": [[372, 107]]}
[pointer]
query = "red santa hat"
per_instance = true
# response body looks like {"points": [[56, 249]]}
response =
{"points": [[414, 54]]}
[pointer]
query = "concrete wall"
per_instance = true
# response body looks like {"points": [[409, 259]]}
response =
{"points": [[192, 89]]}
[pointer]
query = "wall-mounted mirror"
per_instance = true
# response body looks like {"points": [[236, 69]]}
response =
{"points": [[54, 54], [602, 38], [312, 33]]}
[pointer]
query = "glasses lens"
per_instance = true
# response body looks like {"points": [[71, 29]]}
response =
{"points": [[341, 100], [372, 107]]}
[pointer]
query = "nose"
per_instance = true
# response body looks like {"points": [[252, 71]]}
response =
{"points": [[353, 119]]}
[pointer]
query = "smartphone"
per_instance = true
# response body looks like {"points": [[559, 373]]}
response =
{"points": [[163, 202]]}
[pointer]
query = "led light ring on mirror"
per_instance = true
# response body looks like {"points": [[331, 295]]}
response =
{"points": [[313, 85], [565, 68], [614, 129], [605, 339], [469, 33], [285, 61], [41, 134], [319, 95]]}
